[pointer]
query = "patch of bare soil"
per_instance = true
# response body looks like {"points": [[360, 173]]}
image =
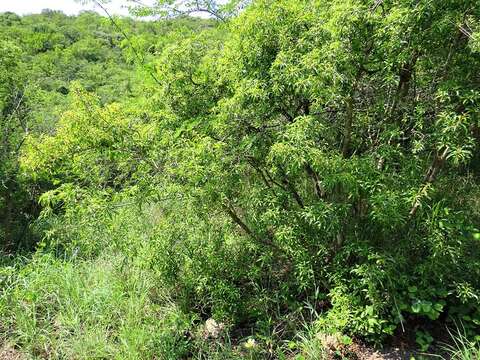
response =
{"points": [[335, 350], [7, 352], [359, 351], [362, 352]]}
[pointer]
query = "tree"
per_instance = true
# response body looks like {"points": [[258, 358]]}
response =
{"points": [[219, 10], [14, 128], [329, 133]]}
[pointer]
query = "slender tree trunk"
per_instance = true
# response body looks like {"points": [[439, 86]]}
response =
{"points": [[431, 175], [7, 221], [347, 132]]}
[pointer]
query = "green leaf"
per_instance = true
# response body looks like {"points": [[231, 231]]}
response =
{"points": [[416, 307]]}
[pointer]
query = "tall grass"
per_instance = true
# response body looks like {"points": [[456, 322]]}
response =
{"points": [[90, 309], [461, 348]]}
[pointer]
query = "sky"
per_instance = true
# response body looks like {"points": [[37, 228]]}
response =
{"points": [[69, 7]]}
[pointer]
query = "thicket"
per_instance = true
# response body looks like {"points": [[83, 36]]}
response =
{"points": [[301, 169], [41, 55]]}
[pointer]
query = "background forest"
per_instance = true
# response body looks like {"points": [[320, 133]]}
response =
{"points": [[285, 179]]}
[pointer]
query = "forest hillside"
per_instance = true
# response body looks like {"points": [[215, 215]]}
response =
{"points": [[275, 179]]}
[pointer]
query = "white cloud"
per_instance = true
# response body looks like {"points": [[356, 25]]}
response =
{"points": [[69, 7]]}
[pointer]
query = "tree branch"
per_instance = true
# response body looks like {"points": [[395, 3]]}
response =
{"points": [[430, 176]]}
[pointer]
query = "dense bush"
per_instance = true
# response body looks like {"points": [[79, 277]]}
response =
{"points": [[305, 161], [330, 134]]}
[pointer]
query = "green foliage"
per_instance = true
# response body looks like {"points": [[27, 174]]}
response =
{"points": [[90, 309], [44, 57], [303, 152], [16, 209], [330, 134], [324, 150], [462, 348], [424, 340]]}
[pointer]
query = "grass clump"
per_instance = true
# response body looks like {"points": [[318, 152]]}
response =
{"points": [[89, 309]]}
